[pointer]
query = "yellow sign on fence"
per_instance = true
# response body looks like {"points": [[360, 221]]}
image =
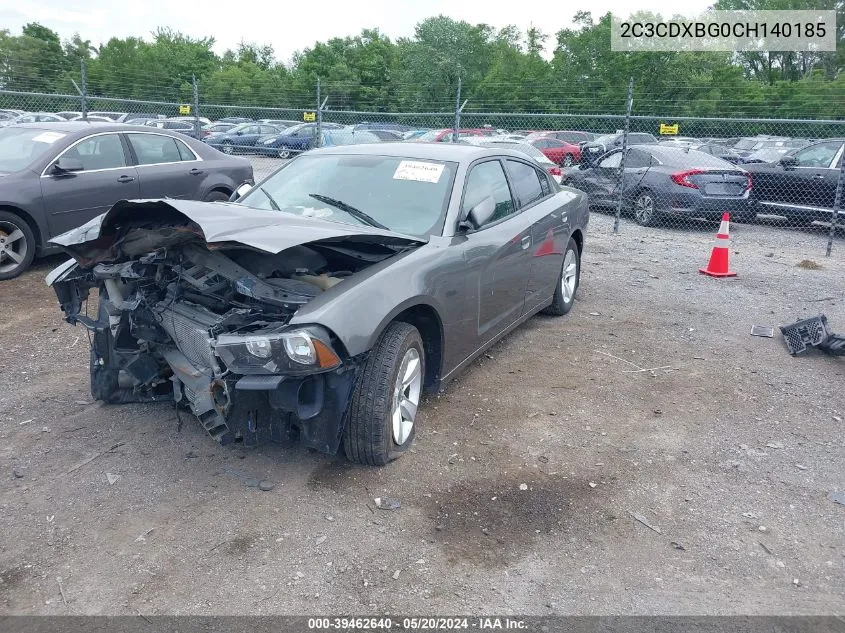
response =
{"points": [[309, 116], [668, 129], [184, 109]]}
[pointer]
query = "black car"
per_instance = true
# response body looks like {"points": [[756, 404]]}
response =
{"points": [[57, 176], [603, 144], [661, 181], [801, 186]]}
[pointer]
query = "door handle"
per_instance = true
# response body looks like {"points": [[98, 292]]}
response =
{"points": [[818, 177], [526, 241], [195, 172], [125, 178]]}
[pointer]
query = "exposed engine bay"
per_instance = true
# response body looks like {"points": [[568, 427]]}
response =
{"points": [[206, 325]]}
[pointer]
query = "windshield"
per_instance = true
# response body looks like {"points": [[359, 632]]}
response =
{"points": [[746, 143], [606, 139], [406, 195], [19, 147]]}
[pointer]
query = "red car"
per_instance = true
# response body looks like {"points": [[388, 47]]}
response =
{"points": [[559, 152]]}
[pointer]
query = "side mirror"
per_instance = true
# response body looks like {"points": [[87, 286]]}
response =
{"points": [[240, 192], [788, 162], [481, 213], [66, 165]]}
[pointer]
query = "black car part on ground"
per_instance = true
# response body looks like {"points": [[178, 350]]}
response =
{"points": [[812, 332], [172, 308]]}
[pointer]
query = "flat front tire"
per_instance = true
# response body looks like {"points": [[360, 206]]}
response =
{"points": [[381, 419], [17, 245], [568, 281]]}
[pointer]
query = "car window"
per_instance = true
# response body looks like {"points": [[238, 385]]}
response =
{"points": [[611, 162], [152, 149], [185, 153], [541, 144], [525, 181], [104, 151], [488, 180], [637, 158], [819, 155], [641, 138], [268, 129]]}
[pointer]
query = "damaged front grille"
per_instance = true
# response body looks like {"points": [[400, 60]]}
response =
{"points": [[190, 328]]}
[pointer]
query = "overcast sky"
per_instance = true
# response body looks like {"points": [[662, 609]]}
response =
{"points": [[292, 26]]}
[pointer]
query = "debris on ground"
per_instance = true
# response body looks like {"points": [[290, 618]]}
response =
{"points": [[396, 574], [774, 445], [837, 497], [645, 522], [18, 473], [523, 486], [191, 455], [678, 546], [320, 540], [387, 504], [812, 332], [143, 537], [808, 264], [252, 482], [112, 479], [266, 485], [763, 330]]}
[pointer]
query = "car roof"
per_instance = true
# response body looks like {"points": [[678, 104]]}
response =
{"points": [[81, 128], [455, 152]]}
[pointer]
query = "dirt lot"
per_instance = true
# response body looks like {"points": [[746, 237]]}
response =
{"points": [[729, 450]]}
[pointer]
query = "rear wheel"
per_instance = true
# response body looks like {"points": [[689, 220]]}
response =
{"points": [[17, 245], [284, 152], [381, 419], [644, 211], [227, 147], [567, 160], [568, 282]]}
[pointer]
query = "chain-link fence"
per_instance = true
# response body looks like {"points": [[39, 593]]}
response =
{"points": [[641, 163]]}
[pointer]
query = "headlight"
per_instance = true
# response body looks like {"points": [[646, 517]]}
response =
{"points": [[301, 351]]}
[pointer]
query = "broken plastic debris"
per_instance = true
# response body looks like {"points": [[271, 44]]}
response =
{"points": [[523, 486], [645, 522], [112, 479], [387, 504]]}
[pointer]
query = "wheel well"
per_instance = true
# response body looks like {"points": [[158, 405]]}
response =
{"points": [[427, 321], [222, 189], [578, 236], [23, 215]]}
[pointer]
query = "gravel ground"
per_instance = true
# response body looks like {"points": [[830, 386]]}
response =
{"points": [[521, 491]]}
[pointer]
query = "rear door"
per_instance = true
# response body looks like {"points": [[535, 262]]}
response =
{"points": [[71, 199], [606, 178], [820, 174], [167, 167], [549, 224], [500, 250]]}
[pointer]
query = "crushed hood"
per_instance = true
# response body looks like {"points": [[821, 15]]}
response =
{"points": [[222, 222]]}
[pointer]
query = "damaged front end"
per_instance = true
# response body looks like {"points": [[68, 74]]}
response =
{"points": [[206, 324]]}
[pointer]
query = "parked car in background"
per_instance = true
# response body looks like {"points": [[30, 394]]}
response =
{"points": [[570, 136], [413, 134], [241, 138], [279, 123], [530, 150], [57, 176], [336, 138], [203, 120], [801, 186], [603, 144], [367, 125], [334, 295], [444, 135], [686, 140], [36, 117], [557, 151], [234, 119], [661, 182], [67, 115], [770, 150], [113, 116], [182, 127], [293, 140], [216, 128], [132, 117], [719, 151], [387, 135], [93, 118]]}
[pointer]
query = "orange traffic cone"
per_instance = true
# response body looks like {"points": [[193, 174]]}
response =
{"points": [[718, 264]]}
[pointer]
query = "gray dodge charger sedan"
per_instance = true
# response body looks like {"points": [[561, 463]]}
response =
{"points": [[57, 176], [324, 302]]}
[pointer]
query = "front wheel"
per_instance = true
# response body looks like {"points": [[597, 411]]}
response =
{"points": [[567, 160], [568, 281], [380, 422], [17, 245], [284, 152], [227, 148]]}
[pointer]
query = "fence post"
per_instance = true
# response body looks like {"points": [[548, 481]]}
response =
{"points": [[83, 79], [837, 204], [620, 179], [196, 108], [319, 138], [456, 132]]}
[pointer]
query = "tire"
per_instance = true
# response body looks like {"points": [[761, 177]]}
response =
{"points": [[567, 282], [567, 160], [372, 435], [284, 152], [17, 245], [216, 196], [228, 148], [645, 213]]}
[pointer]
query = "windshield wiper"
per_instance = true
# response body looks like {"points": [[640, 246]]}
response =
{"points": [[270, 198], [355, 213]]}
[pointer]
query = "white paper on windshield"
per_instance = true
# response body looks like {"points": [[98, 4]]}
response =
{"points": [[419, 171], [48, 137]]}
